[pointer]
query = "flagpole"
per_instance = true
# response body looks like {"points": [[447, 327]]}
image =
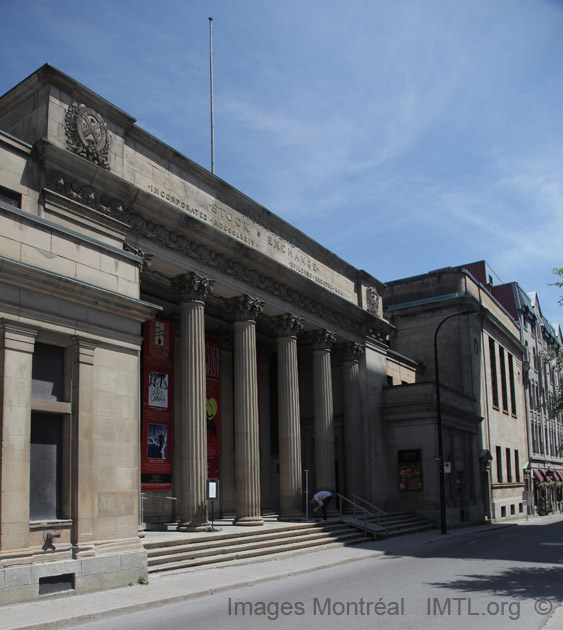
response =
{"points": [[211, 94]]}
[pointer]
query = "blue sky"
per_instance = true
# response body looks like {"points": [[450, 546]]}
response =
{"points": [[404, 135]]}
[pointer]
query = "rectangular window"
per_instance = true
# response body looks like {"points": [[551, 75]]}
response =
{"points": [[10, 197], [499, 464], [512, 385], [50, 434], [508, 466], [45, 467], [493, 362], [503, 379], [517, 465], [535, 441], [48, 373]]}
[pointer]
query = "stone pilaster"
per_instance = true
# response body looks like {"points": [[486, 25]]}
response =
{"points": [[191, 291], [83, 495], [244, 311], [286, 328], [351, 353], [321, 342], [16, 358]]}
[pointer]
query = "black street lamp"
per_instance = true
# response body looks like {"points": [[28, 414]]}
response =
{"points": [[439, 421]]}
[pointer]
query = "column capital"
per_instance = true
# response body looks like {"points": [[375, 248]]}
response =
{"points": [[191, 287], [350, 352], [286, 325], [321, 339], [244, 308]]}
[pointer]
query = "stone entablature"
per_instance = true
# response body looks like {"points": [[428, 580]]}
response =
{"points": [[368, 324], [75, 119], [203, 207]]}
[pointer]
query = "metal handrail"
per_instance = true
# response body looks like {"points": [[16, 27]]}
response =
{"points": [[378, 511], [354, 505]]}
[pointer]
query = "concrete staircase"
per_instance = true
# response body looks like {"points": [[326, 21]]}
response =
{"points": [[400, 523], [208, 549], [389, 524]]}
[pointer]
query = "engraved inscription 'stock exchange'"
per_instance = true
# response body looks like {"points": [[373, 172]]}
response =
{"points": [[244, 229]]}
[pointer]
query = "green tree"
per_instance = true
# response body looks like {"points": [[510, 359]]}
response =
{"points": [[559, 283]]}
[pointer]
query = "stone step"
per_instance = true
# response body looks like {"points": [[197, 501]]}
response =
{"points": [[243, 533], [199, 551], [286, 549], [400, 523], [265, 539], [207, 550]]}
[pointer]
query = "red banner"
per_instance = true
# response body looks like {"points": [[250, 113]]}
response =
{"points": [[213, 388], [157, 426]]}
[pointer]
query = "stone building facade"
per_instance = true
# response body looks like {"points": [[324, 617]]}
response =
{"points": [[544, 465], [158, 328], [481, 379]]}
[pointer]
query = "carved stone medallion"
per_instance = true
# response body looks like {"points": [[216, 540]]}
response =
{"points": [[87, 134]]}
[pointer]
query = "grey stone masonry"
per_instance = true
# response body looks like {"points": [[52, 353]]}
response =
{"points": [[321, 342], [286, 327], [191, 292], [352, 417], [245, 309]]}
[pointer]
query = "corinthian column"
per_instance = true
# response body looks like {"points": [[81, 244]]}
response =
{"points": [[191, 291], [244, 310], [351, 353], [289, 426], [321, 342]]}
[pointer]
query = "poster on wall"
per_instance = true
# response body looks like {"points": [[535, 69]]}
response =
{"points": [[410, 470], [213, 404], [157, 424]]}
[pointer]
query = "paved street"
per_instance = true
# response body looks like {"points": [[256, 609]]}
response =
{"points": [[488, 578]]}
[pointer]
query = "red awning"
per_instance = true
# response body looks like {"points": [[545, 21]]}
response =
{"points": [[557, 475], [538, 475]]}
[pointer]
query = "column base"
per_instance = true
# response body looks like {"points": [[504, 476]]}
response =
{"points": [[248, 521], [193, 526]]}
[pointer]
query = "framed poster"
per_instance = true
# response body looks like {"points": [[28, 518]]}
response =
{"points": [[410, 470], [157, 421], [213, 404]]}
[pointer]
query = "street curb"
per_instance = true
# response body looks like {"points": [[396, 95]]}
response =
{"points": [[137, 607]]}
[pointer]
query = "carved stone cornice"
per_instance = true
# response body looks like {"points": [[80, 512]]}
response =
{"points": [[146, 258], [286, 325], [177, 242], [244, 308], [368, 330], [318, 339], [191, 287], [87, 195]]}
